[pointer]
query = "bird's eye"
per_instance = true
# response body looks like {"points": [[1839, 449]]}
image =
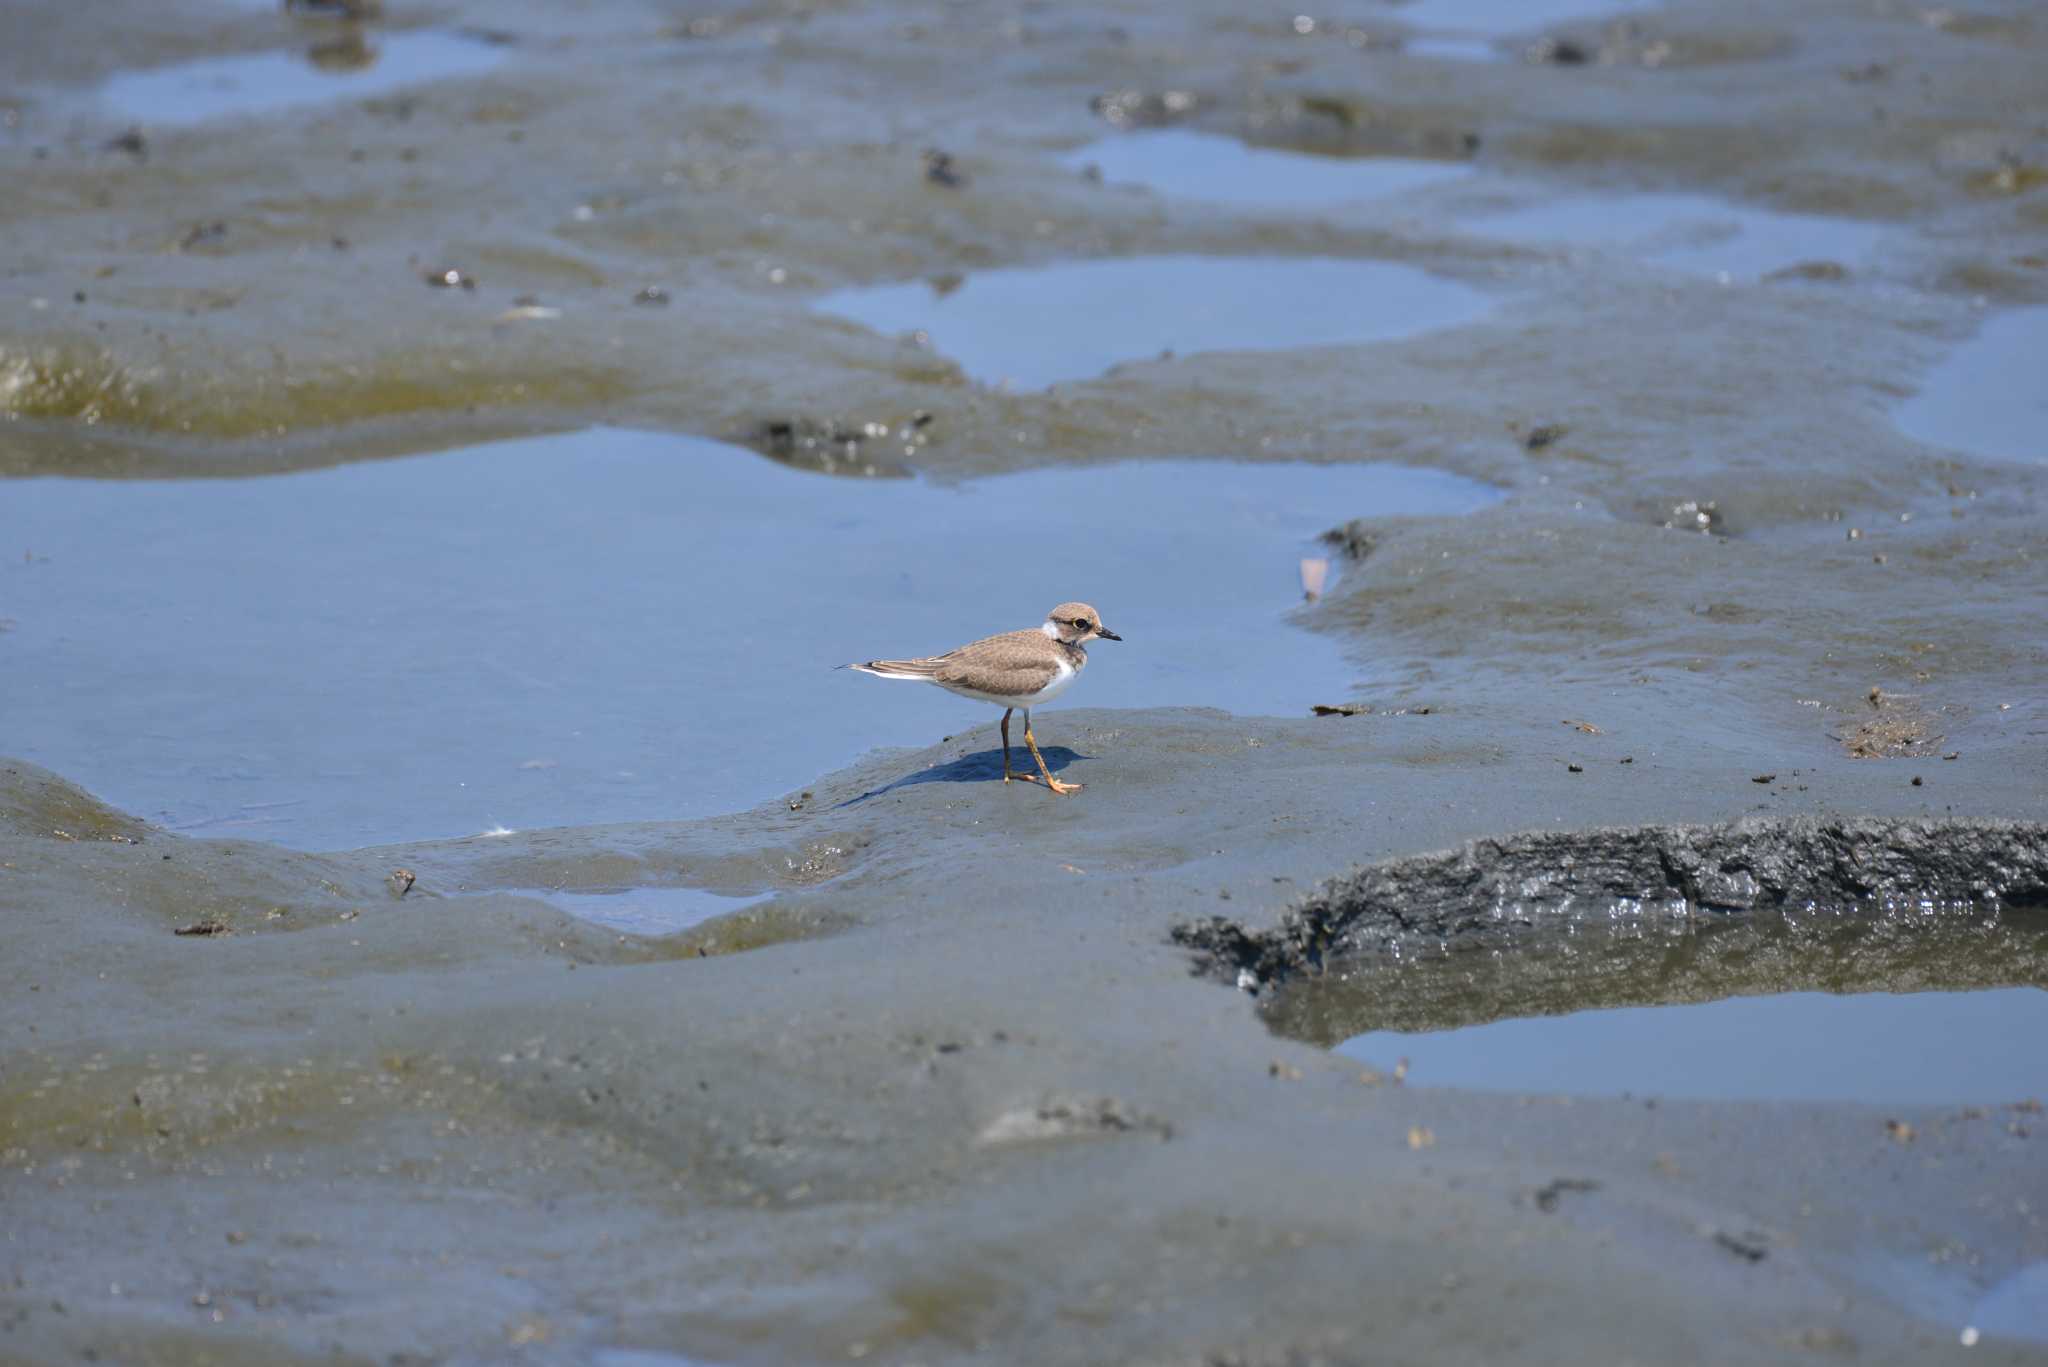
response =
{"points": [[1081, 622]]}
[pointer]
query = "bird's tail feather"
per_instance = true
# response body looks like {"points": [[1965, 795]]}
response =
{"points": [[897, 669]]}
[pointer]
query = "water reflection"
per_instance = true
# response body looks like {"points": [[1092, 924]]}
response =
{"points": [[1926, 1047]]}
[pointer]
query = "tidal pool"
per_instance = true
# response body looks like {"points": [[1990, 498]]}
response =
{"points": [[1989, 396], [610, 625], [1696, 233], [1937, 1048], [1034, 326], [642, 910], [1510, 16], [266, 82], [1206, 166], [1447, 48]]}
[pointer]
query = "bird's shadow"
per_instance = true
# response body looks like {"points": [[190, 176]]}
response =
{"points": [[982, 766]]}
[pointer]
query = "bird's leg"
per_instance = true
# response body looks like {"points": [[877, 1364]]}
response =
{"points": [[1031, 742], [1007, 775]]}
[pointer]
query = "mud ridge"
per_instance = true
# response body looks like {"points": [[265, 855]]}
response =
{"points": [[1487, 892]]}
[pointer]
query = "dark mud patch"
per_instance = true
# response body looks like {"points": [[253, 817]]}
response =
{"points": [[1892, 878]]}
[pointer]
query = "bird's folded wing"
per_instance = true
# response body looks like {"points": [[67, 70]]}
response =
{"points": [[997, 675]]}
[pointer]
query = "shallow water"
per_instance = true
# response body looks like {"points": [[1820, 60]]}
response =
{"points": [[642, 910], [1923, 1047], [1696, 233], [2016, 1308], [266, 82], [1510, 16], [1222, 170], [1451, 49], [1036, 326], [1989, 395], [612, 625]]}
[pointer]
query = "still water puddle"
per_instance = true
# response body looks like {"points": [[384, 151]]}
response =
{"points": [[611, 626], [1902, 1005], [1446, 48], [1923, 1047], [1207, 166], [642, 911], [1041, 325], [266, 82], [1989, 396], [1510, 16], [2016, 1309], [1692, 232]]}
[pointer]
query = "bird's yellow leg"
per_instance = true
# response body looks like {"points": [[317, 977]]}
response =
{"points": [[1031, 743], [1007, 775]]}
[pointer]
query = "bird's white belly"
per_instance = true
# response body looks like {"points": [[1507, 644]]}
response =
{"points": [[1059, 684]]}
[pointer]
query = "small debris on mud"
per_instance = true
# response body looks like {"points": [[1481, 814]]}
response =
{"points": [[401, 881], [202, 235], [940, 170], [203, 928], [1559, 52], [796, 804], [131, 141], [1140, 109], [1917, 780], [1248, 981], [1899, 728], [1341, 709], [1585, 726], [1749, 1246], [450, 277], [1696, 516], [1355, 539], [1818, 271], [526, 309], [1286, 1072], [839, 447], [1540, 437], [1421, 1137], [651, 297], [1899, 1130], [1575, 768], [1764, 778], [1070, 1119], [1547, 1194]]}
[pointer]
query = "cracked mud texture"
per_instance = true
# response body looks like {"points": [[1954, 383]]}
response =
{"points": [[952, 1094]]}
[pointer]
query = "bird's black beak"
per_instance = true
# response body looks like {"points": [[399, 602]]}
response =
{"points": [[1106, 634]]}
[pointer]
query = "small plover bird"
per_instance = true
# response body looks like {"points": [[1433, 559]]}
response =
{"points": [[1016, 671]]}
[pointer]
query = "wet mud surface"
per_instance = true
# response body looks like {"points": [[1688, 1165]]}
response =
{"points": [[1728, 685]]}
